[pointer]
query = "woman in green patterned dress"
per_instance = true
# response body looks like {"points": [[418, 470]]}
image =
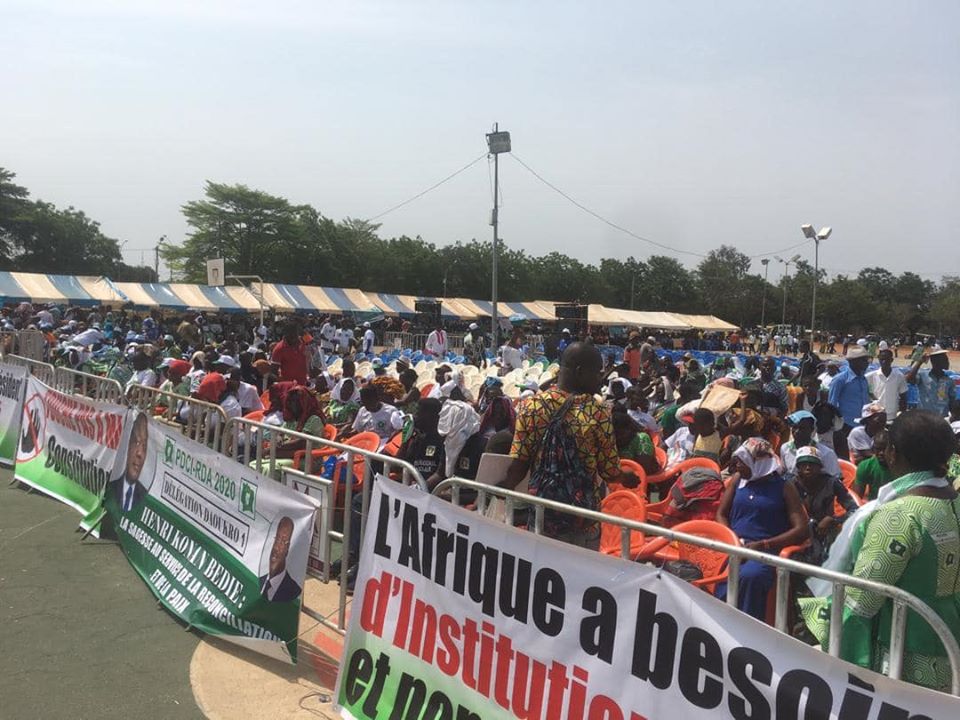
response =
{"points": [[908, 537]]}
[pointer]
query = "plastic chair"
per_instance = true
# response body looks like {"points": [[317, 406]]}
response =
{"points": [[712, 563], [255, 416], [330, 433], [622, 504], [629, 466], [849, 472]]}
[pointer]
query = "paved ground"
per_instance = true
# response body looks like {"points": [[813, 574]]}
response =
{"points": [[81, 637]]}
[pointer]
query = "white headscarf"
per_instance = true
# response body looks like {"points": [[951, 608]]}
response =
{"points": [[757, 454], [458, 422]]}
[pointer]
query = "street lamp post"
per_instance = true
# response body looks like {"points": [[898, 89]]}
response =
{"points": [[763, 307], [497, 142], [816, 237], [786, 279]]}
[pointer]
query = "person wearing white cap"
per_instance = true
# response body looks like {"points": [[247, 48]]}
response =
{"points": [[368, 339], [328, 336], [888, 386], [935, 387], [849, 393], [474, 346], [873, 419]]}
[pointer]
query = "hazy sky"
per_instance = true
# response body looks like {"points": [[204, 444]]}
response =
{"points": [[691, 123]]}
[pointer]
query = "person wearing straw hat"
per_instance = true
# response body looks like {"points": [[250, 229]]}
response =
{"points": [[935, 387]]}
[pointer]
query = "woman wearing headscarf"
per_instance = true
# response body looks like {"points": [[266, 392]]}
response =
{"points": [[302, 414], [766, 513], [498, 415], [345, 396], [909, 537]]}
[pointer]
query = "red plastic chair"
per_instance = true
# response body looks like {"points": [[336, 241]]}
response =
{"points": [[629, 466], [668, 476], [712, 563], [623, 504], [255, 415], [329, 433]]}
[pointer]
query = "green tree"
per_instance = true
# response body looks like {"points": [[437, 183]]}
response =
{"points": [[721, 278], [65, 241], [254, 232], [668, 285], [15, 210]]}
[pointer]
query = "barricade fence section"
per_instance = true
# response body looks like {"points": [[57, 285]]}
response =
{"points": [[90, 386], [44, 372], [200, 421], [902, 600], [265, 447], [31, 344]]}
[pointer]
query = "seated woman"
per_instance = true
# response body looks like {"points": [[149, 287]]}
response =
{"points": [[909, 538], [301, 413], [498, 415], [633, 443], [766, 513], [819, 491], [345, 396]]}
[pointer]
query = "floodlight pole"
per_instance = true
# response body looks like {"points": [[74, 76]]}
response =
{"points": [[816, 273], [497, 142]]}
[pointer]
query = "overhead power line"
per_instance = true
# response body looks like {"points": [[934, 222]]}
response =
{"points": [[429, 189], [600, 217]]}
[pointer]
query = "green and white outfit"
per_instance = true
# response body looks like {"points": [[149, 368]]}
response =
{"points": [[910, 542]]}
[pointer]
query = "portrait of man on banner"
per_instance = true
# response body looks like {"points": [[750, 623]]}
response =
{"points": [[131, 487], [277, 585]]}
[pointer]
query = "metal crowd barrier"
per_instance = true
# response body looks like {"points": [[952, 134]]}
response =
{"points": [[44, 372], [201, 421], [398, 340], [31, 344], [95, 387], [902, 600], [255, 443]]}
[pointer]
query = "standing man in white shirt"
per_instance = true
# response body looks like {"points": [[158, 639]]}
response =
{"points": [[436, 344], [368, 339], [328, 336], [888, 385], [344, 339]]}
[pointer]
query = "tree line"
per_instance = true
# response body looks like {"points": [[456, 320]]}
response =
{"points": [[262, 234]]}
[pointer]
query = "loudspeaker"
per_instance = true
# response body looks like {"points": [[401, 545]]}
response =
{"points": [[428, 312], [572, 316]]}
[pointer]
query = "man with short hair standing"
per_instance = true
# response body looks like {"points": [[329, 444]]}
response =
{"points": [[888, 386], [436, 343]]}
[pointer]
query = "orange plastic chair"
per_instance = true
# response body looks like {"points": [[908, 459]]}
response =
{"points": [[393, 444], [623, 504], [330, 433], [668, 476], [255, 415], [712, 563], [771, 612], [637, 469], [661, 456], [265, 399], [849, 472]]}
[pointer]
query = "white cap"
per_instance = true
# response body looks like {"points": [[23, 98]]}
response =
{"points": [[366, 324], [226, 360], [884, 345], [855, 353], [474, 326]]}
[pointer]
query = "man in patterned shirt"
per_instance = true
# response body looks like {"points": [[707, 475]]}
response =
{"points": [[587, 420]]}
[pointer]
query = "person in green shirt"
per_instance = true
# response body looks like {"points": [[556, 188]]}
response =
{"points": [[873, 473], [910, 539], [633, 443], [689, 390]]}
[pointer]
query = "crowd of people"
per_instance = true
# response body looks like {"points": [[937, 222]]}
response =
{"points": [[772, 439]]}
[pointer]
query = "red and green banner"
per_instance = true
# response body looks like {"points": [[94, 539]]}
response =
{"points": [[67, 447], [456, 616]]}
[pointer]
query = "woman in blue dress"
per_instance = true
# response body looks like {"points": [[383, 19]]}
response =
{"points": [[766, 513]]}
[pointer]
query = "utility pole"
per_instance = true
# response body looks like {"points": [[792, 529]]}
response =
{"points": [[156, 257], [763, 307], [497, 142]]}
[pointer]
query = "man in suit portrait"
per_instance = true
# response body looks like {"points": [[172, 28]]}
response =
{"points": [[127, 489], [277, 585]]}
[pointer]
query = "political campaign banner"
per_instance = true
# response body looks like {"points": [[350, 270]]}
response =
{"points": [[13, 383], [221, 546], [67, 447], [459, 617]]}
